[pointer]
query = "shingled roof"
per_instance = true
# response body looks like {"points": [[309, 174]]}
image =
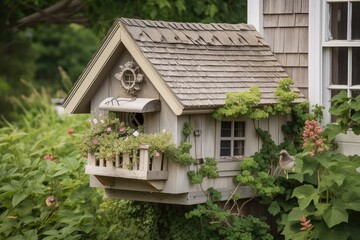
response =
{"points": [[196, 63], [200, 63]]}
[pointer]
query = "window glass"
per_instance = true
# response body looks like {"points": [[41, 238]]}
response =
{"points": [[239, 129], [239, 147], [355, 66], [338, 20], [339, 66], [225, 129], [225, 148], [355, 21]]}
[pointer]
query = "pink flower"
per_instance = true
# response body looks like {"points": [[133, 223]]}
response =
{"points": [[157, 154], [122, 129], [108, 129], [49, 157], [70, 131], [95, 141], [305, 223]]}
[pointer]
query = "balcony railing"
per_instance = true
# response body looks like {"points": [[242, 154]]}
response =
{"points": [[137, 165]]}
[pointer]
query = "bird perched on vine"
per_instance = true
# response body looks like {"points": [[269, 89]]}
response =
{"points": [[286, 162], [51, 202]]}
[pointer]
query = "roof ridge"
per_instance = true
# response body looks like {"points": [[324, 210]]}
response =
{"points": [[190, 26]]}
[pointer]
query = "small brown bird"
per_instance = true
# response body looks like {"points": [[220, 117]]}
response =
{"points": [[286, 162], [51, 202]]}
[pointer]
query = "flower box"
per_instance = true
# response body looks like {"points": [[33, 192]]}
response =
{"points": [[137, 165]]}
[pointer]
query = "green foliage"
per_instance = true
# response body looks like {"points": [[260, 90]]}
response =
{"points": [[222, 224], [285, 96], [208, 169], [324, 188], [55, 46], [38, 160], [247, 103], [109, 136], [346, 110], [241, 103], [252, 175]]}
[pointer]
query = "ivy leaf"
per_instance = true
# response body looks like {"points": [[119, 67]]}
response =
{"points": [[305, 194], [18, 198]]}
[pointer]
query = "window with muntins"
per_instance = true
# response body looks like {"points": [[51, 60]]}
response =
{"points": [[341, 48], [232, 139]]}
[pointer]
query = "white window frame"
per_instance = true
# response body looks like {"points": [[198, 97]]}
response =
{"points": [[232, 139], [320, 46]]}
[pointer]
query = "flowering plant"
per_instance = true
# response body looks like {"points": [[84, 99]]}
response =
{"points": [[109, 136]]}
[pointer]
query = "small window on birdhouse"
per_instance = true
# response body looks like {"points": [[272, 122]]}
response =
{"points": [[232, 139]]}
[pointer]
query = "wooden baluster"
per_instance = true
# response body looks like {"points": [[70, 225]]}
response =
{"points": [[126, 161], [144, 158], [117, 160], [101, 162], [156, 162], [91, 159]]}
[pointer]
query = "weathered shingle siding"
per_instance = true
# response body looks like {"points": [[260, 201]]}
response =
{"points": [[200, 63], [286, 30]]}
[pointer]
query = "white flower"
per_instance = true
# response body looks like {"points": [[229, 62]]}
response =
{"points": [[94, 121], [136, 133], [102, 121]]}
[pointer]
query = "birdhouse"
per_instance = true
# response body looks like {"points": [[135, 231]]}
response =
{"points": [[166, 75]]}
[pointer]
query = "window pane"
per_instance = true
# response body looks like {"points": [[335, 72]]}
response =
{"points": [[338, 20], [239, 129], [239, 146], [339, 65], [355, 21], [355, 66], [225, 148], [225, 129]]}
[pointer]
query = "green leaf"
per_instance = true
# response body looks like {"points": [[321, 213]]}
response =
{"points": [[274, 208], [336, 233], [296, 213], [305, 194], [356, 129], [51, 232], [335, 215], [18, 198]]}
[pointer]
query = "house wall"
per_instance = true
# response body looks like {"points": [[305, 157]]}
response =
{"points": [[285, 28]]}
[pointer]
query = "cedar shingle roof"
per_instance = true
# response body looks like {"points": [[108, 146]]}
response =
{"points": [[200, 63]]}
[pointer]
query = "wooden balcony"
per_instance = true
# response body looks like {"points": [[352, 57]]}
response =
{"points": [[138, 165]]}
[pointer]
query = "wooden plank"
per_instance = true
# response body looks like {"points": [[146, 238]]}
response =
{"points": [[292, 59], [279, 38], [303, 40], [269, 36], [289, 6], [305, 6], [287, 20], [271, 20], [303, 57], [229, 165], [125, 173], [297, 6], [301, 20], [291, 40], [147, 196], [208, 136]]}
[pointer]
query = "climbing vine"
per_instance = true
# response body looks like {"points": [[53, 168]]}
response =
{"points": [[247, 103]]}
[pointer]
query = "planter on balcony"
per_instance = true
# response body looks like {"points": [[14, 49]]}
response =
{"points": [[138, 165]]}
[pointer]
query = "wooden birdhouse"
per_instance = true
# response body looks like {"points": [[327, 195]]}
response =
{"points": [[163, 76]]}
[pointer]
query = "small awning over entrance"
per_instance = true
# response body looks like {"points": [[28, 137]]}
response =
{"points": [[139, 105]]}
